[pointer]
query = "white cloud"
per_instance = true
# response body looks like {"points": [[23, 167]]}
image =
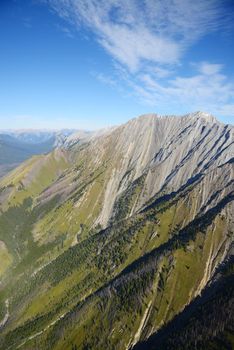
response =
{"points": [[147, 40], [209, 68], [133, 32], [159, 72], [130, 47], [202, 91]]}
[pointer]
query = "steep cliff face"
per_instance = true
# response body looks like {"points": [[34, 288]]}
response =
{"points": [[168, 152], [115, 235], [150, 156]]}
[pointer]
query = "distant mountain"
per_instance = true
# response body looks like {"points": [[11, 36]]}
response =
{"points": [[17, 146], [29, 136], [112, 237]]}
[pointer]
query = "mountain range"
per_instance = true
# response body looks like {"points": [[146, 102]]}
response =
{"points": [[121, 238], [18, 145]]}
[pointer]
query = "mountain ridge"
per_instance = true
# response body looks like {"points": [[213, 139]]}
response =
{"points": [[115, 235]]}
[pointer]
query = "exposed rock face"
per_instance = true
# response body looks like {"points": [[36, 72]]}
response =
{"points": [[168, 151]]}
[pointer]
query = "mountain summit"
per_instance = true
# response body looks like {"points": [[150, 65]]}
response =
{"points": [[108, 240]]}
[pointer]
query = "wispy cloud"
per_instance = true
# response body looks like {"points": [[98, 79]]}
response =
{"points": [[209, 68], [105, 79], [147, 40], [66, 31], [133, 32], [209, 89]]}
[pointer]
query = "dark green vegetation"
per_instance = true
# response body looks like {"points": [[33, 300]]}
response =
{"points": [[76, 275], [207, 323]]}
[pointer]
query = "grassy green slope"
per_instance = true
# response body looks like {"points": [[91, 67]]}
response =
{"points": [[13, 152], [146, 258], [18, 196]]}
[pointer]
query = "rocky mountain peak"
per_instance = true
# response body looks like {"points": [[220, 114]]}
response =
{"points": [[154, 118], [209, 118]]}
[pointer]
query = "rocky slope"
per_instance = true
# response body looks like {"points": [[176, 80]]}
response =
{"points": [[115, 235]]}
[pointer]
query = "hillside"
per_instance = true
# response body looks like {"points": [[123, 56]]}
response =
{"points": [[17, 146], [107, 240], [206, 323]]}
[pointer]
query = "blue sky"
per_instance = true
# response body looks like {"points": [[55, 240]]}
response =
{"points": [[95, 63]]}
